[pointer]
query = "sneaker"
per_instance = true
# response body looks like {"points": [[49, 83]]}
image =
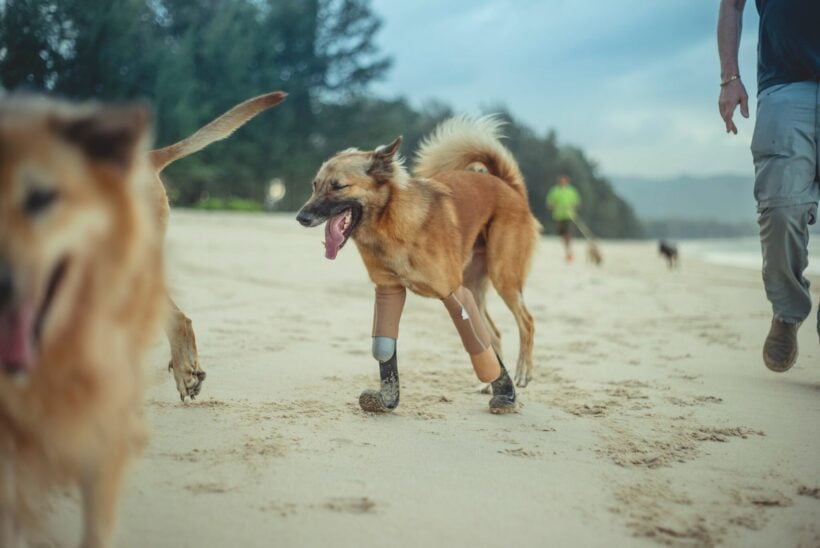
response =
{"points": [[780, 348]]}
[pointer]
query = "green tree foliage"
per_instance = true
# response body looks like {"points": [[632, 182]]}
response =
{"points": [[193, 59], [34, 38]]}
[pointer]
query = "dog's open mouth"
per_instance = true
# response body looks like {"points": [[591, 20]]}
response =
{"points": [[21, 327], [338, 229]]}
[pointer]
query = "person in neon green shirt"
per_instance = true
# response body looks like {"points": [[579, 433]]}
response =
{"points": [[564, 200]]}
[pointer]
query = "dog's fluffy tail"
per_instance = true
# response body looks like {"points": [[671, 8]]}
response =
{"points": [[461, 143], [218, 129]]}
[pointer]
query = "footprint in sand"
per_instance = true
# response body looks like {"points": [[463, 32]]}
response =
{"points": [[521, 452], [350, 505], [587, 410], [812, 492], [209, 488], [284, 509]]}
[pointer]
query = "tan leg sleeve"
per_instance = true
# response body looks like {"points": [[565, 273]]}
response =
{"points": [[467, 319], [389, 305]]}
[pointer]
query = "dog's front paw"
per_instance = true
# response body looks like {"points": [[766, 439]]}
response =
{"points": [[188, 375], [184, 357]]}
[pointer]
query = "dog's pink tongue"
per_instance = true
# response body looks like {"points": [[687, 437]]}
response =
{"points": [[16, 352], [334, 237]]}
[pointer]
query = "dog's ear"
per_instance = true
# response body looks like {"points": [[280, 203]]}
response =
{"points": [[110, 135], [381, 169], [388, 151]]}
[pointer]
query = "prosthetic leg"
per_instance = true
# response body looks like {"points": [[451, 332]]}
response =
{"points": [[386, 316], [488, 367]]}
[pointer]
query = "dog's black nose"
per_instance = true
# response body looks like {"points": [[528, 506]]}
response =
{"points": [[304, 218], [6, 284]]}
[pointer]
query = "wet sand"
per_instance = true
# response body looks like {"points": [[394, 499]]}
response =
{"points": [[651, 418]]}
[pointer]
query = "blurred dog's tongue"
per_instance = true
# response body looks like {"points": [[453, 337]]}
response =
{"points": [[334, 237], [16, 352]]}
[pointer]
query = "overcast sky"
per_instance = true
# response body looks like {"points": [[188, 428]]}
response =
{"points": [[633, 82]]}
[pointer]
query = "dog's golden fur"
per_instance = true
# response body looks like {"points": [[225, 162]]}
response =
{"points": [[184, 362], [445, 226], [77, 415]]}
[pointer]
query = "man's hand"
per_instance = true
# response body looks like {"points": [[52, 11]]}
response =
{"points": [[731, 95]]}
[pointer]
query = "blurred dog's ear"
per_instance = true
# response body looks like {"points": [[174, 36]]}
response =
{"points": [[381, 169], [110, 135]]}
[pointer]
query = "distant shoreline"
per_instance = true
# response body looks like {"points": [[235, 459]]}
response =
{"points": [[741, 253]]}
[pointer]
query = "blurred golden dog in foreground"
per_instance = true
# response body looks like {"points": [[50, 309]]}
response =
{"points": [[83, 214], [81, 296]]}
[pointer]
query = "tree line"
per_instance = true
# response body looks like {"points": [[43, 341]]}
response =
{"points": [[193, 59]]}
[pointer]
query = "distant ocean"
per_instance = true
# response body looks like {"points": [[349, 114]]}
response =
{"points": [[741, 252]]}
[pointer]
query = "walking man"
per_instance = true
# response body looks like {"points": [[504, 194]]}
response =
{"points": [[785, 151], [564, 200]]}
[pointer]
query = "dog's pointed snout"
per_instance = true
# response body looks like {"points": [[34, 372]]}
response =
{"points": [[6, 284], [304, 218]]}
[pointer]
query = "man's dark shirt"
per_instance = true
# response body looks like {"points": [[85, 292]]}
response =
{"points": [[789, 46]]}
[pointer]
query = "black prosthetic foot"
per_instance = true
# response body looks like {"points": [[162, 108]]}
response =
{"points": [[503, 400], [386, 399]]}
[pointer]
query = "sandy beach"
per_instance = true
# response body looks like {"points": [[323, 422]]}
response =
{"points": [[651, 419]]}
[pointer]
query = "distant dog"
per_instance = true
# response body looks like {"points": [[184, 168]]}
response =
{"points": [[669, 252], [184, 358], [445, 232], [594, 253], [81, 296]]}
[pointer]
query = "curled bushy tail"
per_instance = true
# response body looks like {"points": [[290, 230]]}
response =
{"points": [[463, 141], [216, 130]]}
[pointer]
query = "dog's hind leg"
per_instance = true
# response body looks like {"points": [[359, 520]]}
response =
{"points": [[509, 249], [477, 281], [386, 317], [526, 329], [184, 358]]}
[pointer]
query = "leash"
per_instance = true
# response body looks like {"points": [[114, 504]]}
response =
{"points": [[582, 226], [589, 236]]}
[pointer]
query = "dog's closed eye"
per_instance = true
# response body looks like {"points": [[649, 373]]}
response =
{"points": [[336, 185], [39, 200]]}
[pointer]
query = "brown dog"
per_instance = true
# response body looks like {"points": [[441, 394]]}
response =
{"points": [[445, 233], [81, 296], [184, 363], [594, 253]]}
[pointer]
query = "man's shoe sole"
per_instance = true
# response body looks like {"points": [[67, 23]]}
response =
{"points": [[777, 367]]}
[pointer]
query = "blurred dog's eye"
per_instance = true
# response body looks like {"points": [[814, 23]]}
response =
{"points": [[38, 200], [335, 185]]}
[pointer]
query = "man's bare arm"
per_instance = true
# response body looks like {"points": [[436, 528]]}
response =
{"points": [[732, 90]]}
